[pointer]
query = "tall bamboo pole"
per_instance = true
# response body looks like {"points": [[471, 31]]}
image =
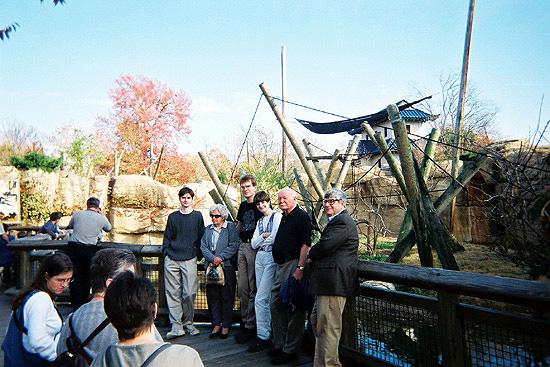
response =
{"points": [[461, 100], [218, 184], [312, 178], [347, 162], [283, 95], [315, 162]]}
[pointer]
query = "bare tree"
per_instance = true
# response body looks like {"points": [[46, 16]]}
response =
{"points": [[18, 139]]}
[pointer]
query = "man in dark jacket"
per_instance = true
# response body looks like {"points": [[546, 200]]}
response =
{"points": [[333, 277]]}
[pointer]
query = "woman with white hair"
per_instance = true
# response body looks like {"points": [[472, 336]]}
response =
{"points": [[219, 243]]}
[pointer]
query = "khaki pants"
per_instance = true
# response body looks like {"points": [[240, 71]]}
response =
{"points": [[326, 319], [181, 284]]}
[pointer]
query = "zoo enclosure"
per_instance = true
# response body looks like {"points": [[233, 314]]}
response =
{"points": [[385, 327]]}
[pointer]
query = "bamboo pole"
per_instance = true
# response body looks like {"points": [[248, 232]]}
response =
{"points": [[411, 180], [316, 164], [158, 163], [218, 184], [314, 181], [347, 162], [378, 140], [326, 186]]}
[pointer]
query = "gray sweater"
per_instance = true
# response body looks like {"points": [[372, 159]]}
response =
{"points": [[182, 236], [87, 226], [135, 355]]}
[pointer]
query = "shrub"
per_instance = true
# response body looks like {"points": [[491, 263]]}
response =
{"points": [[35, 160]]}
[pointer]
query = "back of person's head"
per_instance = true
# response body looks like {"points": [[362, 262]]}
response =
{"points": [[130, 304], [186, 190], [246, 178], [93, 202], [55, 216], [261, 196], [52, 265], [108, 263]]}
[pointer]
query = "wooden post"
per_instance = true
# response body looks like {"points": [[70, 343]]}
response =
{"points": [[347, 162], [451, 334], [158, 163], [316, 164], [379, 141], [23, 268], [283, 95], [314, 181], [308, 204], [331, 169], [407, 167], [461, 99], [218, 184]]}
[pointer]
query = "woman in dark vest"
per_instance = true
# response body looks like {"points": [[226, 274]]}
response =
{"points": [[35, 323]]}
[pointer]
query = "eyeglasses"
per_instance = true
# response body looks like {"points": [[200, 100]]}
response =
{"points": [[215, 216], [330, 201], [63, 280]]}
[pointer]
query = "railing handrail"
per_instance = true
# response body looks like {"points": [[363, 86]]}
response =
{"points": [[510, 290]]}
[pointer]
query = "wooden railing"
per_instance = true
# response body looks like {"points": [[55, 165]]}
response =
{"points": [[384, 327]]}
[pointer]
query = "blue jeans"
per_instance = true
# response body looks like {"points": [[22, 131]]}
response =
{"points": [[266, 270]]}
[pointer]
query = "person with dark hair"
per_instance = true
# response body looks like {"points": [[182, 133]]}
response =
{"points": [[50, 227], [87, 226], [106, 264], [219, 244], [130, 304], [247, 217], [181, 250], [266, 269], [333, 277], [35, 323]]}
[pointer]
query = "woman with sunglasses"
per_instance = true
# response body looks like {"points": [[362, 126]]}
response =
{"points": [[35, 323], [219, 243]]}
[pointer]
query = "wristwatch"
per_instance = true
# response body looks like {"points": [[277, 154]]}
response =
{"points": [[301, 268]]}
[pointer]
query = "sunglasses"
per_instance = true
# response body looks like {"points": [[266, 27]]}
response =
{"points": [[215, 216]]}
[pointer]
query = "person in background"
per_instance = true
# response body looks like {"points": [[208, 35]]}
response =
{"points": [[106, 264], [247, 217], [266, 269], [51, 226], [181, 250], [290, 250], [35, 323], [6, 255], [87, 226], [130, 304], [220, 243], [333, 277]]}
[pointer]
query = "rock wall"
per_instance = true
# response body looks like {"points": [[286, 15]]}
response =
{"points": [[136, 206]]}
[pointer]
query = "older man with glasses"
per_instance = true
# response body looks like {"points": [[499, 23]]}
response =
{"points": [[333, 277]]}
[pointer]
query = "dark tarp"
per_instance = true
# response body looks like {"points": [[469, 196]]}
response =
{"points": [[353, 126]]}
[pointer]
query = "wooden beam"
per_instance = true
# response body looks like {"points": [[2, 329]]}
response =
{"points": [[347, 162], [411, 180], [314, 181], [318, 168], [218, 184]]}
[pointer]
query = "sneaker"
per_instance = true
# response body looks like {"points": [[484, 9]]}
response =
{"points": [[191, 329], [245, 336], [258, 345], [174, 333]]}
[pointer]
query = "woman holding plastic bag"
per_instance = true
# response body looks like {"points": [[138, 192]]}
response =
{"points": [[219, 244]]}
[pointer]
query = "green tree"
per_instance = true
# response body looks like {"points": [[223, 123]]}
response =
{"points": [[35, 160]]}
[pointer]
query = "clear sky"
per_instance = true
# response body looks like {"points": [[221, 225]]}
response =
{"points": [[348, 57]]}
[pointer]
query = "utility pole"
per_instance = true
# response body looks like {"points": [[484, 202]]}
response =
{"points": [[283, 97], [461, 100]]}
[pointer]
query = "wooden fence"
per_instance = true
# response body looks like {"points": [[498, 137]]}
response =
{"points": [[433, 318]]}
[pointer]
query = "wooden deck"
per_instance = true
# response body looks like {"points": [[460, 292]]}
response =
{"points": [[214, 352]]}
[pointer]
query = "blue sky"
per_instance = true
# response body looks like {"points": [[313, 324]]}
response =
{"points": [[347, 57]]}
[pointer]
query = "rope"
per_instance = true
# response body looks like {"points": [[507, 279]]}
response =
{"points": [[242, 146]]}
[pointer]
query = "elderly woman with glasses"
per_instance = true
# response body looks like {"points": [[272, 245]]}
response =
{"points": [[219, 244]]}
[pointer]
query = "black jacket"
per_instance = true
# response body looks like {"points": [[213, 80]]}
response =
{"points": [[335, 258]]}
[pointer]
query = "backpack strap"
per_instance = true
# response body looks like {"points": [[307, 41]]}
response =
{"points": [[155, 354], [94, 333]]}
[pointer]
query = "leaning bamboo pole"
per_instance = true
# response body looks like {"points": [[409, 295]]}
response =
{"points": [[347, 162], [312, 178], [218, 184], [316, 164]]}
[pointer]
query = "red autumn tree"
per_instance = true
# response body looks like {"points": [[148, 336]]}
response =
{"points": [[147, 117]]}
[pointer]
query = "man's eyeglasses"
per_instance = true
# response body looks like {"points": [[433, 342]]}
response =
{"points": [[330, 201], [215, 216]]}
